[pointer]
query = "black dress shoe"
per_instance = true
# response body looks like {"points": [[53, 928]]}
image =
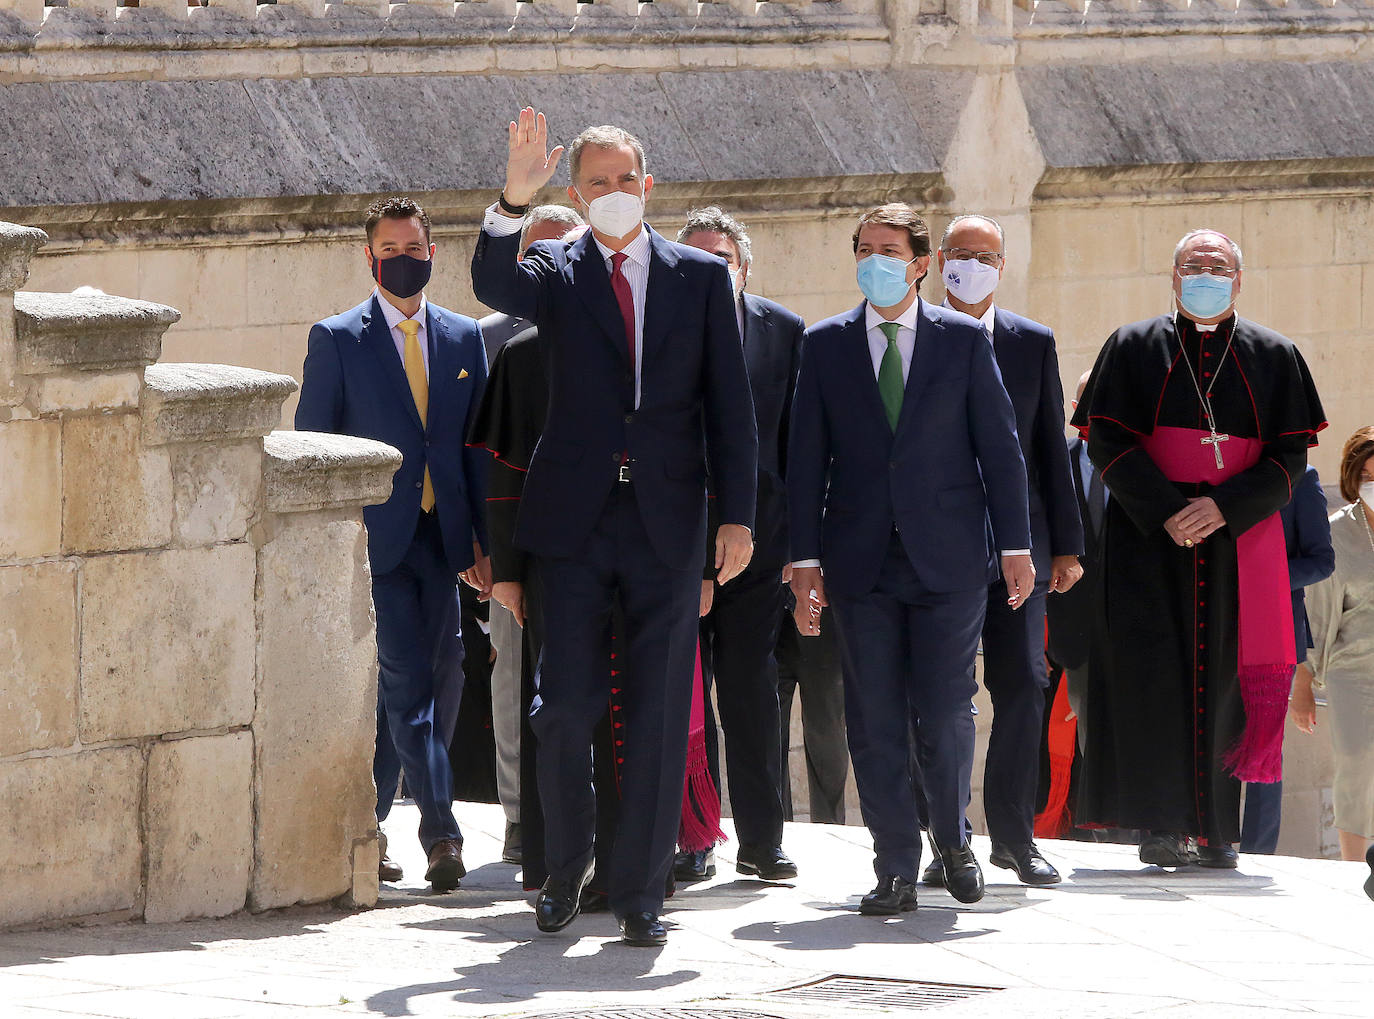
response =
{"points": [[560, 900], [698, 866], [1222, 856], [643, 930], [892, 896], [963, 876], [769, 863], [445, 865], [934, 874], [1164, 849], [1031, 868]]}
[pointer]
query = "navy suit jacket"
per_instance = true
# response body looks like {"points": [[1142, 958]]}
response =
{"points": [[354, 383], [850, 479], [1307, 533], [694, 393], [1070, 614], [1029, 365]]}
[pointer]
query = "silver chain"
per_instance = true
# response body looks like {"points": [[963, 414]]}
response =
{"points": [[1205, 397]]}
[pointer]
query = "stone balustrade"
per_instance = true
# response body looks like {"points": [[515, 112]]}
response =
{"points": [[187, 644]]}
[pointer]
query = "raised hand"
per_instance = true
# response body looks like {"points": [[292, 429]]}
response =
{"points": [[530, 164]]}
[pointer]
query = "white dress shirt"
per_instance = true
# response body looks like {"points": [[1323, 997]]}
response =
{"points": [[635, 269], [394, 318]]}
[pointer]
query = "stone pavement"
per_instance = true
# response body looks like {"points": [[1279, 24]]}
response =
{"points": [[1280, 937]]}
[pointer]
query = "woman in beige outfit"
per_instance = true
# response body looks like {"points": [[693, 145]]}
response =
{"points": [[1340, 612]]}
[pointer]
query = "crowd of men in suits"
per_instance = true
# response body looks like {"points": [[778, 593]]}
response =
{"points": [[662, 466]]}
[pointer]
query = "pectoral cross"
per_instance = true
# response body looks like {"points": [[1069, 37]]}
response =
{"points": [[1214, 440]]}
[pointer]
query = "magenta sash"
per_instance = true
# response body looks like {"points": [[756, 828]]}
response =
{"points": [[1267, 653]]}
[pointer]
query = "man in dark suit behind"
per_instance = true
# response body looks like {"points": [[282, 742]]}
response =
{"points": [[903, 445], [409, 373], [646, 380], [740, 631], [971, 260]]}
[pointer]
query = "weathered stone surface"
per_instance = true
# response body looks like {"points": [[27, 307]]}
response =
{"points": [[85, 805], [31, 489], [313, 470], [210, 402], [17, 246], [167, 642], [90, 391], [38, 644], [216, 487], [315, 724], [118, 495], [56, 332], [366, 857], [200, 826]]}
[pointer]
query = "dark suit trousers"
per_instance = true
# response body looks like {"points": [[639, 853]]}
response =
{"points": [[908, 652], [656, 673], [1015, 676], [811, 665], [418, 620]]}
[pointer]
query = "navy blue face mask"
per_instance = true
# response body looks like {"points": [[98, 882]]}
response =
{"points": [[402, 275]]}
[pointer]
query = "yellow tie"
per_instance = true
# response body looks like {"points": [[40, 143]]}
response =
{"points": [[419, 390]]}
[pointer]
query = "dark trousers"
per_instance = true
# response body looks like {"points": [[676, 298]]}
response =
{"points": [[1016, 679], [418, 638], [738, 637], [811, 665], [656, 664], [1259, 828], [908, 653]]}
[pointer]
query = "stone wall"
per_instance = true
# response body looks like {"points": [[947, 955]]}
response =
{"points": [[187, 653]]}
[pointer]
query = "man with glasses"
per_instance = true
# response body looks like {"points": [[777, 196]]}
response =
{"points": [[971, 260], [1200, 422]]}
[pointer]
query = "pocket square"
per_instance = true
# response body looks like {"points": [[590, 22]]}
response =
{"points": [[463, 374]]}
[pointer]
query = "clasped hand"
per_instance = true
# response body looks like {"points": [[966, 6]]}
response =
{"points": [[1195, 522]]}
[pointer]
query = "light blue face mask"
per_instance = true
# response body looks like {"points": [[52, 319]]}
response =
{"points": [[882, 279], [1205, 296]]}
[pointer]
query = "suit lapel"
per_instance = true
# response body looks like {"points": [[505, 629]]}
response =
{"points": [[377, 339], [586, 270], [861, 358], [755, 324], [440, 374], [659, 298], [928, 333]]}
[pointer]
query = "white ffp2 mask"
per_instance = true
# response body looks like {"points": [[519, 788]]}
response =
{"points": [[615, 214], [969, 280]]}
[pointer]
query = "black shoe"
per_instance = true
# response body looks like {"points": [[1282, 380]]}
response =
{"points": [[593, 901], [770, 864], [934, 874], [510, 849], [446, 868], [892, 896], [698, 866], [1164, 849], [1031, 868], [643, 930], [963, 876], [1222, 856], [560, 901]]}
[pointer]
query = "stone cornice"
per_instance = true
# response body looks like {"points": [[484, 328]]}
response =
{"points": [[210, 402], [312, 470], [17, 247], [74, 332]]}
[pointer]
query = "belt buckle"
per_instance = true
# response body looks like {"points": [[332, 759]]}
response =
{"points": [[624, 474]]}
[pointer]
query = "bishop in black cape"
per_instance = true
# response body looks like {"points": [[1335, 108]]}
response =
{"points": [[1164, 705]]}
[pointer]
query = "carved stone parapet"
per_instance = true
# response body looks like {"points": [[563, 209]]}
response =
{"points": [[210, 402], [313, 470], [17, 247], [63, 332]]}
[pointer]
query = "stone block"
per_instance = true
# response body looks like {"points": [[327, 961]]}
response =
{"points": [[56, 332], [315, 724], [1164, 225], [217, 488], [366, 857], [113, 271], [1296, 309], [312, 470], [1354, 230], [210, 284], [31, 495], [118, 494], [1083, 243], [17, 247], [200, 826], [167, 642], [38, 642], [1282, 233], [88, 392], [210, 402], [70, 844]]}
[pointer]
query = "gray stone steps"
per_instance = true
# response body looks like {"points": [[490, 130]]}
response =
{"points": [[314, 470], [210, 402], [87, 332]]}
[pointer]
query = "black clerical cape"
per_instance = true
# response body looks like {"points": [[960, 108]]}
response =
{"points": [[1164, 701]]}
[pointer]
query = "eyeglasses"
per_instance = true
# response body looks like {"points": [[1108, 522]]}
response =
{"points": [[988, 258], [1194, 269]]}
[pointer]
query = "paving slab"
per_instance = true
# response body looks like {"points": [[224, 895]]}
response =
{"points": [[1277, 938]]}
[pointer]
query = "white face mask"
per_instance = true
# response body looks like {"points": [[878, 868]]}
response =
{"points": [[969, 280], [734, 280], [1367, 493], [615, 214]]}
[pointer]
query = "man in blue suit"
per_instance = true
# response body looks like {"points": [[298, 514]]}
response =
{"points": [[971, 260], [409, 373], [903, 447], [646, 380]]}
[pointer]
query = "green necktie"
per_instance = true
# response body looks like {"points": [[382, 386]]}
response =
{"points": [[890, 383]]}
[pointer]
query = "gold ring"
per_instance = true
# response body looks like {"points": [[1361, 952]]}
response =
{"points": [[1188, 542]]}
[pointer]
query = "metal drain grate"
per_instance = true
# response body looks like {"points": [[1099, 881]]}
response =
{"points": [[654, 1013], [879, 992]]}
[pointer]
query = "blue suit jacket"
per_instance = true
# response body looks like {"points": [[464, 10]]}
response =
{"points": [[1029, 366], [354, 383], [850, 479], [694, 393], [1307, 533]]}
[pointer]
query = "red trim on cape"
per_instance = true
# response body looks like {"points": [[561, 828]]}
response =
{"points": [[497, 454]]}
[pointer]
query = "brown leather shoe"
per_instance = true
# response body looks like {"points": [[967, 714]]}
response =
{"points": [[388, 869], [445, 865]]}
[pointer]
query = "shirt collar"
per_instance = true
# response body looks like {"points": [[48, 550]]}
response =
{"points": [[636, 251], [393, 315], [907, 318], [989, 319]]}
